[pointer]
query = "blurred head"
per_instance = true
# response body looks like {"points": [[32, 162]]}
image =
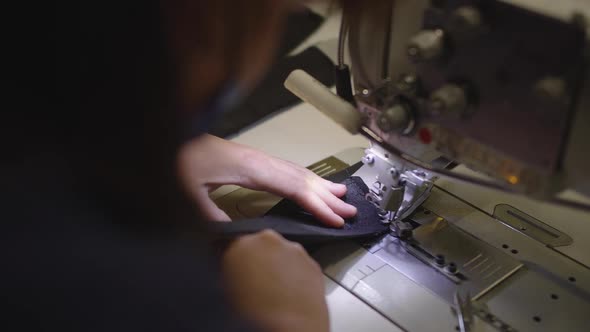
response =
{"points": [[191, 47], [126, 74], [214, 42]]}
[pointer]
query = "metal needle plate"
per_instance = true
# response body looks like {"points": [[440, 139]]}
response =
{"points": [[479, 266]]}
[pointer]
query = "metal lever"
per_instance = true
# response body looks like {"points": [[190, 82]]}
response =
{"points": [[321, 97]]}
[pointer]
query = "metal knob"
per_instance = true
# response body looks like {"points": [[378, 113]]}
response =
{"points": [[465, 22], [448, 99], [395, 118], [426, 45]]}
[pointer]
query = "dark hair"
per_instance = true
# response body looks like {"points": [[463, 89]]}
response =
{"points": [[117, 81], [115, 121]]}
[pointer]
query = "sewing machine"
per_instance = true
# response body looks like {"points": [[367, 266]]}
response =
{"points": [[470, 107]]}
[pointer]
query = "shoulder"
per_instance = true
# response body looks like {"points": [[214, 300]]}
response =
{"points": [[67, 262]]}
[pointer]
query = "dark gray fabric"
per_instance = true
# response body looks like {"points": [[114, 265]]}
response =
{"points": [[366, 218], [299, 26], [297, 225]]}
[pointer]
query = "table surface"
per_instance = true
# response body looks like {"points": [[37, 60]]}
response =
{"points": [[303, 135]]}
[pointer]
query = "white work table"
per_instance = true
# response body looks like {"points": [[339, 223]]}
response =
{"points": [[304, 136]]}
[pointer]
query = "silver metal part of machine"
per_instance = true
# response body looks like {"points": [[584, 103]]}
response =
{"points": [[503, 87], [500, 86], [494, 277]]}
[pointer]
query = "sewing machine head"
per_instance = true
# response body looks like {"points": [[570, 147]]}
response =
{"points": [[499, 86]]}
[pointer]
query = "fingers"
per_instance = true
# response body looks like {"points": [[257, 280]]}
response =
{"points": [[337, 189], [313, 193], [318, 196], [235, 164], [337, 205], [268, 235], [208, 209], [320, 209]]}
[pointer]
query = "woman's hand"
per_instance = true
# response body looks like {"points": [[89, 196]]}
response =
{"points": [[208, 162], [275, 283]]}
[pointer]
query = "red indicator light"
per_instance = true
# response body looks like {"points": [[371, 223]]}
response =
{"points": [[425, 135]]}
